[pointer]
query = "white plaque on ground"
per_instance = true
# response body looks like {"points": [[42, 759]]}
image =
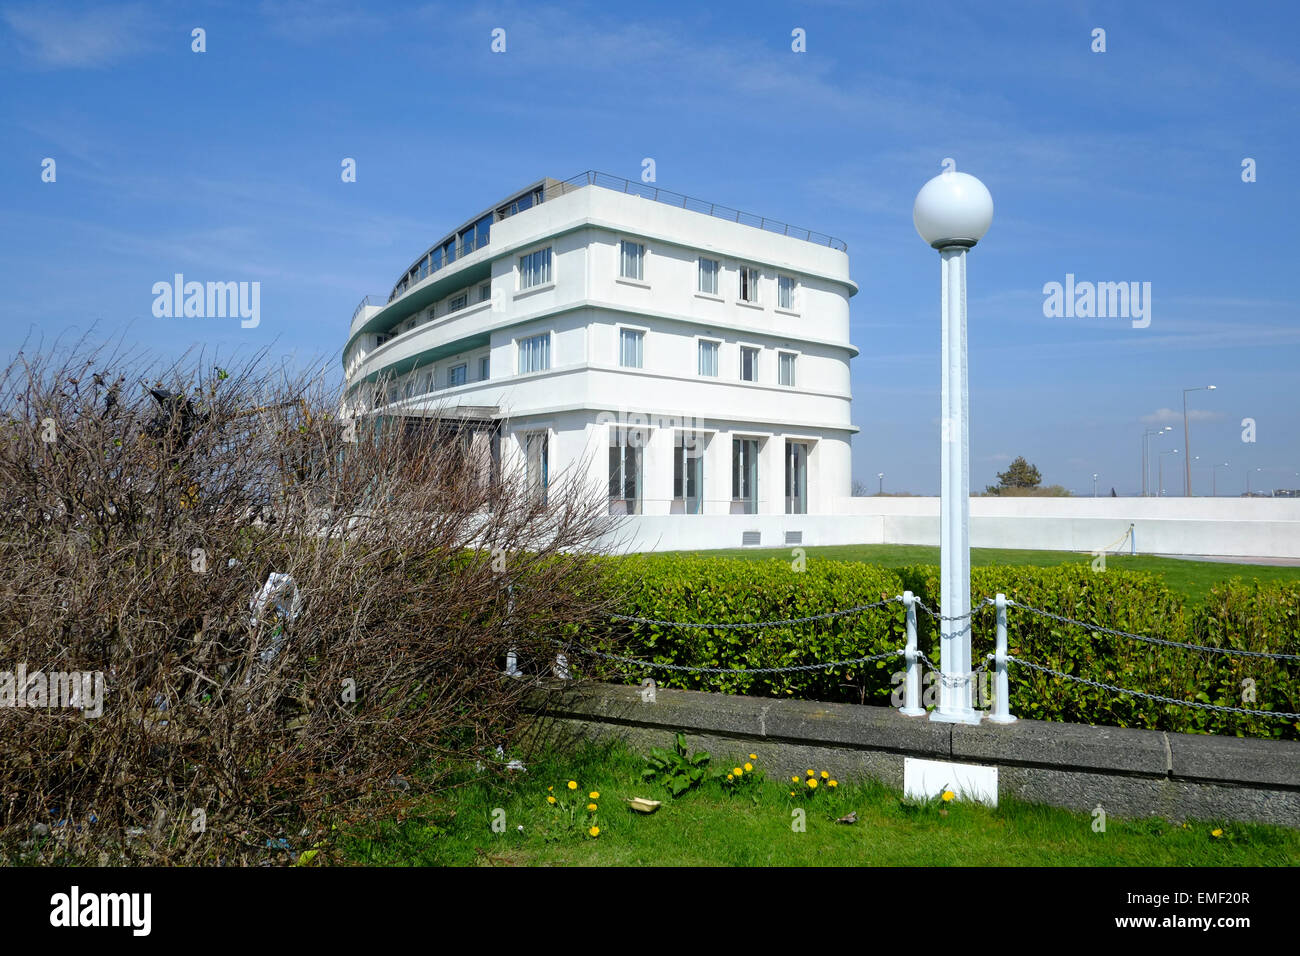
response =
{"points": [[925, 779]]}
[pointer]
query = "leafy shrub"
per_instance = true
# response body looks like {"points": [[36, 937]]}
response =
{"points": [[1249, 617], [699, 589], [696, 589]]}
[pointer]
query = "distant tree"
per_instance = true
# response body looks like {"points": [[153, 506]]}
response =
{"points": [[860, 489], [1021, 474], [1112, 493]]}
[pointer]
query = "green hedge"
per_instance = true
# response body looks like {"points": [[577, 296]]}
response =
{"points": [[703, 589]]}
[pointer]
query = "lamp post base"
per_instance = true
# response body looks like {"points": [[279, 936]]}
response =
{"points": [[957, 717]]}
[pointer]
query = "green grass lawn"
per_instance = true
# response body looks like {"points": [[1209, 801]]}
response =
{"points": [[711, 827], [1192, 579]]}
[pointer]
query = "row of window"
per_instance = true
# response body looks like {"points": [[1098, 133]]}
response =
{"points": [[535, 270], [631, 354], [625, 473], [631, 265], [421, 382]]}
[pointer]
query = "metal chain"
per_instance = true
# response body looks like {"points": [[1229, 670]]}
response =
{"points": [[829, 615], [1153, 640], [953, 617], [735, 670], [1156, 697], [952, 681]]}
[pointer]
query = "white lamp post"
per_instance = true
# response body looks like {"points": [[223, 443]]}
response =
{"points": [[952, 212]]}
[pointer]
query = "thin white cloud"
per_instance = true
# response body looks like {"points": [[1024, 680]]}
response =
{"points": [[1168, 416], [64, 38]]}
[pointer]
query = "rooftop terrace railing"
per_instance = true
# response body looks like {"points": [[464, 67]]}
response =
{"points": [[650, 191]]}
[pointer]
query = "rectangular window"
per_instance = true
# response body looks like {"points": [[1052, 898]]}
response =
{"points": [[688, 472], [708, 282], [536, 464], [787, 368], [785, 293], [796, 478], [625, 446], [709, 358], [535, 353], [748, 291], [744, 473], [630, 345], [748, 364], [457, 375], [458, 302], [485, 291], [485, 368], [631, 260], [535, 268]]}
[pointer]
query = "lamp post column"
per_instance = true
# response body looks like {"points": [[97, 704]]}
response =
{"points": [[952, 212]]}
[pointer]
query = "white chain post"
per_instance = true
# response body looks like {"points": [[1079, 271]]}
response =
{"points": [[512, 660], [561, 667], [1001, 690], [912, 700]]}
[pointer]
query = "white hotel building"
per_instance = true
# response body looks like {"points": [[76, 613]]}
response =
{"points": [[691, 359]]}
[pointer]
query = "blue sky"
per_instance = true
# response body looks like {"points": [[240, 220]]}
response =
{"points": [[1115, 166]]}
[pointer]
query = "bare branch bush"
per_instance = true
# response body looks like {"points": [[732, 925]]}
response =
{"points": [[145, 507]]}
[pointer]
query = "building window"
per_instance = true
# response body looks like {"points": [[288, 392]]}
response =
{"points": [[535, 268], [631, 260], [485, 368], [748, 364], [630, 346], [536, 464], [708, 281], [708, 358], [457, 375], [535, 353], [796, 478], [744, 473], [458, 302], [688, 472], [485, 291], [787, 368], [748, 284], [785, 293], [625, 446]]}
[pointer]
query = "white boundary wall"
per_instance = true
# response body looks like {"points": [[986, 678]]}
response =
{"points": [[1237, 527]]}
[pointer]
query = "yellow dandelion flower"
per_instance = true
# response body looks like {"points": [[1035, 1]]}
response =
{"points": [[594, 795], [1216, 833], [947, 796], [749, 767], [549, 789], [550, 799], [812, 783], [794, 779], [731, 776], [594, 831], [812, 773], [591, 807], [832, 783], [792, 793], [825, 775], [737, 771], [573, 785]]}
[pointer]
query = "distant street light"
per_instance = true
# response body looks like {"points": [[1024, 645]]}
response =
{"points": [[1214, 479], [1094, 486], [1146, 455], [1187, 441], [1248, 471], [881, 490], [1172, 451], [951, 213]]}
